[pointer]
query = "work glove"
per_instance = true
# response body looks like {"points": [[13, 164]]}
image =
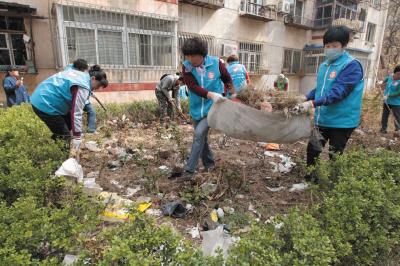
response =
{"points": [[379, 82], [385, 97], [214, 96], [303, 107]]}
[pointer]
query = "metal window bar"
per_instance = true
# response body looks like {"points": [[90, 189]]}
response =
{"points": [[250, 56], [210, 40], [257, 8], [143, 39]]}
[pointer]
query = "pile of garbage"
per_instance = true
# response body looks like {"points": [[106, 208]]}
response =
{"points": [[259, 98]]}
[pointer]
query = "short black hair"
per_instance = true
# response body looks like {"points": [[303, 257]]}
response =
{"points": [[396, 69], [10, 68], [80, 64], [232, 58], [337, 34], [99, 74], [194, 46]]}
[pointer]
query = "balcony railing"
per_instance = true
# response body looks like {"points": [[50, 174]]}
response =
{"points": [[322, 23], [256, 11], [299, 22], [353, 24], [212, 4]]}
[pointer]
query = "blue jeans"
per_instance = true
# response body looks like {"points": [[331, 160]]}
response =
{"points": [[200, 147], [91, 113]]}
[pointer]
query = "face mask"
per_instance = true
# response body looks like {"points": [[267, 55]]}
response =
{"points": [[333, 53]]}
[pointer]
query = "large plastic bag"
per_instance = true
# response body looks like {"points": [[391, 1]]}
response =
{"points": [[71, 168], [243, 122]]}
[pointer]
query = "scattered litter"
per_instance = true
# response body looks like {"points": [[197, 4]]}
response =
{"points": [[359, 132], [278, 226], [69, 259], [174, 209], [189, 207], [209, 224], [253, 210], [153, 212], [272, 147], [194, 231], [90, 186], [116, 210], [268, 177], [92, 146], [298, 187], [239, 196], [228, 210], [166, 137], [286, 164], [208, 188], [148, 157], [163, 168], [117, 184], [71, 168], [220, 213], [143, 199], [216, 239], [392, 142], [275, 189], [142, 207], [244, 230], [132, 191], [271, 153], [93, 174], [113, 165], [214, 215]]}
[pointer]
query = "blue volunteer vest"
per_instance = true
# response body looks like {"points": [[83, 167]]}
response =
{"points": [[238, 75], [347, 112], [53, 96], [392, 86], [210, 80]]}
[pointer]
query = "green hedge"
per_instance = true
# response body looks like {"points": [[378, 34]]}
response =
{"points": [[356, 222]]}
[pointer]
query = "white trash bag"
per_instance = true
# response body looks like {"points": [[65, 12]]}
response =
{"points": [[243, 122], [71, 168]]}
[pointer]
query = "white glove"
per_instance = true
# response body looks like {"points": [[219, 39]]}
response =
{"points": [[303, 107], [385, 97], [76, 143], [214, 96]]}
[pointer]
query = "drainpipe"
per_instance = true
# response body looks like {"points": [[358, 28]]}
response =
{"points": [[379, 49], [33, 44]]}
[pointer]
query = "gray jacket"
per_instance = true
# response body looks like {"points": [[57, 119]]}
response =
{"points": [[166, 85]]}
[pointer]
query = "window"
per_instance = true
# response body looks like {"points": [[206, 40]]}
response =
{"points": [[250, 56], [12, 23], [370, 35], [12, 49], [312, 60], [116, 39], [291, 61], [323, 16]]}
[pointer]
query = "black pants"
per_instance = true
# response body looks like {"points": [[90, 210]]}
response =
{"points": [[337, 138], [59, 125], [385, 116]]}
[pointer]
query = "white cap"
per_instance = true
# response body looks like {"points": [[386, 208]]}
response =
{"points": [[281, 76]]}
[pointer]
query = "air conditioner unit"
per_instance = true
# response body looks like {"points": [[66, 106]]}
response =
{"points": [[284, 6], [229, 49]]}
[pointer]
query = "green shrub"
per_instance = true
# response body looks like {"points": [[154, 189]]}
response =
{"points": [[299, 241], [142, 242]]}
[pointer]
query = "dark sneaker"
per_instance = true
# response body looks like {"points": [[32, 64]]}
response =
{"points": [[186, 176], [383, 131]]}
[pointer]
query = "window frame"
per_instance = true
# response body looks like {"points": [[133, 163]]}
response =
{"points": [[290, 69], [252, 50], [11, 49], [368, 34]]}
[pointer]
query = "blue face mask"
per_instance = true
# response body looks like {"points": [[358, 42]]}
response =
{"points": [[333, 53]]}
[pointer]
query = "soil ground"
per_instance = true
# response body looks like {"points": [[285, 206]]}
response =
{"points": [[244, 176]]}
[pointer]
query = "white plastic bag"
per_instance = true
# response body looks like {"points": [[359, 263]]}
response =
{"points": [[214, 239], [71, 168], [243, 122]]}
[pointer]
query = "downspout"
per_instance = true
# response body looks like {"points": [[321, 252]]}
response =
{"points": [[33, 44], [378, 54]]}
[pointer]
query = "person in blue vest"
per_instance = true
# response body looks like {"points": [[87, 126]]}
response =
{"points": [[391, 98], [202, 74], [238, 73], [14, 88], [59, 101], [337, 97]]}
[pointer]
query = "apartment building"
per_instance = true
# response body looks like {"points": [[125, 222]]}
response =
{"points": [[137, 41]]}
